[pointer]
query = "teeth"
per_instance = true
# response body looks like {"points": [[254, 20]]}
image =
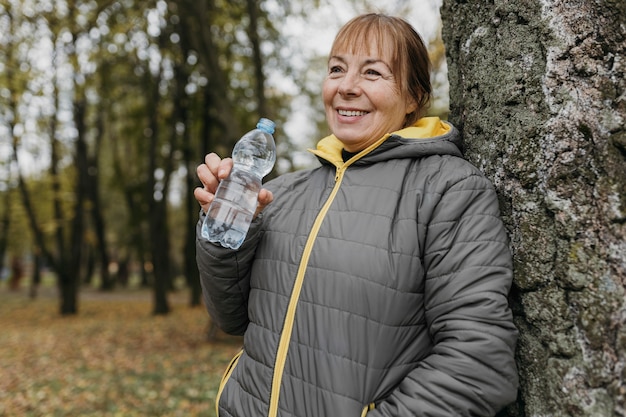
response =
{"points": [[351, 113]]}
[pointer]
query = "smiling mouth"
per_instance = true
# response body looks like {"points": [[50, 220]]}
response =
{"points": [[351, 113]]}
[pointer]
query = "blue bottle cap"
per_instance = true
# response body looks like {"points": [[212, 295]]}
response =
{"points": [[266, 125]]}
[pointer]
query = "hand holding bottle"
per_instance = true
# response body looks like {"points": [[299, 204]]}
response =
{"points": [[211, 173]]}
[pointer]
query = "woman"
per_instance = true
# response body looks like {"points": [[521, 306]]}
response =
{"points": [[376, 283]]}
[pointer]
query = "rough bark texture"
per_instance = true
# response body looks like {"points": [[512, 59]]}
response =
{"points": [[538, 89]]}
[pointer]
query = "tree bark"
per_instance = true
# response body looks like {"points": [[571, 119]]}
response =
{"points": [[539, 91]]}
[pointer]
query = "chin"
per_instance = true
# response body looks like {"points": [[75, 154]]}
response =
{"points": [[348, 138]]}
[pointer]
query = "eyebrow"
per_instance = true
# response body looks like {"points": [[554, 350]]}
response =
{"points": [[367, 61]]}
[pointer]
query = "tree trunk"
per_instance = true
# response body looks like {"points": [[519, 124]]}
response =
{"points": [[160, 259], [35, 273], [190, 160], [538, 89], [69, 277], [107, 282], [4, 225], [206, 145], [157, 214], [196, 24], [257, 58], [68, 291]]}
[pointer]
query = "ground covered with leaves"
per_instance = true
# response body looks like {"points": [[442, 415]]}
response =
{"points": [[112, 359]]}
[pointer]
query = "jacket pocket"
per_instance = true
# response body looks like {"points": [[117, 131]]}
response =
{"points": [[227, 373], [367, 408]]}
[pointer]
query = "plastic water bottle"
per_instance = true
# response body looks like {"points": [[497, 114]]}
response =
{"points": [[229, 216]]}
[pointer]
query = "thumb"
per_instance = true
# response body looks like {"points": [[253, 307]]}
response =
{"points": [[265, 197]]}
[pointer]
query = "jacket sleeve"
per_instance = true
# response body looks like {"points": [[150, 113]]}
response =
{"points": [[225, 279], [471, 370]]}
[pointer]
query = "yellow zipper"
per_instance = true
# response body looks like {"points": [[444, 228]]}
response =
{"points": [[225, 377], [285, 337], [367, 409]]}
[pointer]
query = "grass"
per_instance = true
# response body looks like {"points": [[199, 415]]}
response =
{"points": [[113, 359]]}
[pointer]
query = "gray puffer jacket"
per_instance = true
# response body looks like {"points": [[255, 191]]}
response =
{"points": [[373, 287]]}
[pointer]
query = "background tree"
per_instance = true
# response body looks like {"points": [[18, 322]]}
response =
{"points": [[65, 125], [538, 89], [22, 91]]}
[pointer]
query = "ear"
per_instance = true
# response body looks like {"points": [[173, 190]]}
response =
{"points": [[411, 104], [412, 111]]}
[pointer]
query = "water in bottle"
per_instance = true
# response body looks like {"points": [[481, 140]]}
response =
{"points": [[229, 216]]}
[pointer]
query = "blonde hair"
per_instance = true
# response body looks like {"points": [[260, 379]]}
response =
{"points": [[397, 40]]}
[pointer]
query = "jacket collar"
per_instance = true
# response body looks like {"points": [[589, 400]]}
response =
{"points": [[329, 148]]}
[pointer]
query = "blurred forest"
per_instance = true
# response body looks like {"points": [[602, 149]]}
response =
{"points": [[108, 106]]}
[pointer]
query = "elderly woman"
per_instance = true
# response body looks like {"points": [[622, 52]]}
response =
{"points": [[375, 284]]}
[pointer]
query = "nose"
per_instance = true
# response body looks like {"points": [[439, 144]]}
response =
{"points": [[350, 84]]}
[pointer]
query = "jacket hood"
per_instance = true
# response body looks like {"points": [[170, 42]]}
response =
{"points": [[428, 136]]}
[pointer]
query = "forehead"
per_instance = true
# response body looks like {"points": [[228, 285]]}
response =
{"points": [[361, 40]]}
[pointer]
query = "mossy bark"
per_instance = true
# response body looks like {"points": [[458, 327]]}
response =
{"points": [[538, 89]]}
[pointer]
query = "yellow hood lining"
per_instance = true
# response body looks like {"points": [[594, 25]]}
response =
{"points": [[330, 147]]}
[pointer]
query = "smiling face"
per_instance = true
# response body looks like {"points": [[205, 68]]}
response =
{"points": [[378, 79], [362, 99]]}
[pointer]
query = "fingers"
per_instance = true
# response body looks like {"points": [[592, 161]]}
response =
{"points": [[203, 197], [213, 171], [224, 168], [219, 167], [265, 197], [210, 174]]}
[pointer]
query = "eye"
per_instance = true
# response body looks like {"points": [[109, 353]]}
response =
{"points": [[371, 74], [335, 71]]}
